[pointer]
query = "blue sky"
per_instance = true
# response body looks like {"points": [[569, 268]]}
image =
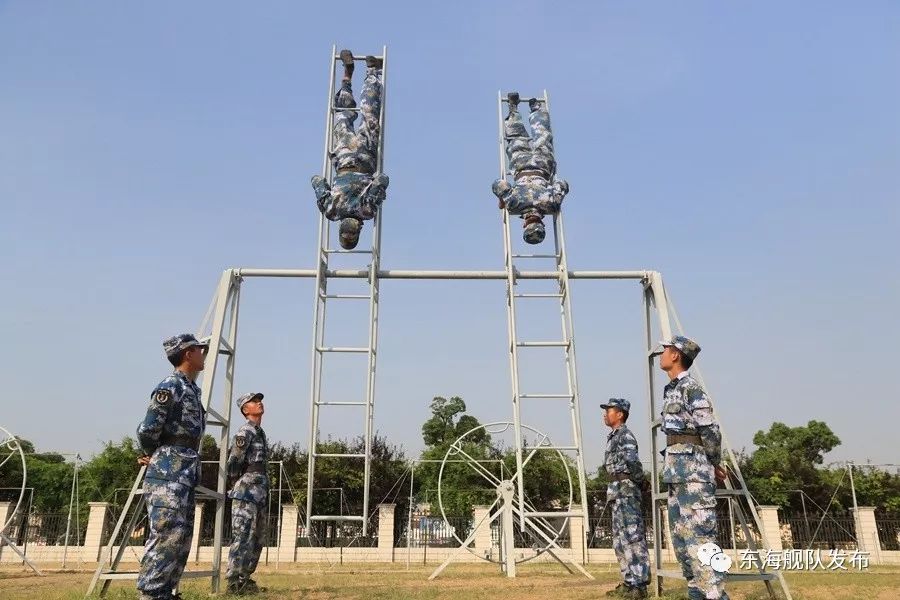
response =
{"points": [[749, 153]]}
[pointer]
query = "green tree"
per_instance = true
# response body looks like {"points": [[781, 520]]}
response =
{"points": [[787, 459]]}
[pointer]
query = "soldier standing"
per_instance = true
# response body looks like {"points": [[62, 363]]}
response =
{"points": [[358, 190], [626, 478], [691, 470], [170, 436], [247, 461]]}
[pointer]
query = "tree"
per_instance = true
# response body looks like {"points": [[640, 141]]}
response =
{"points": [[786, 460]]}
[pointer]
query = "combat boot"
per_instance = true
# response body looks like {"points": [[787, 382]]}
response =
{"points": [[236, 586], [618, 591], [534, 104], [512, 99], [636, 592], [251, 587], [374, 63]]}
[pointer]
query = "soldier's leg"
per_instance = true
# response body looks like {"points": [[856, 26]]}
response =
{"points": [[542, 139], [188, 535], [679, 545], [167, 528], [370, 106], [344, 139], [518, 141], [241, 544], [618, 535], [257, 538], [635, 555], [700, 528]]}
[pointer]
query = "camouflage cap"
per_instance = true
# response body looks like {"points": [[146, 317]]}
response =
{"points": [[177, 343], [686, 346], [620, 403], [247, 398]]}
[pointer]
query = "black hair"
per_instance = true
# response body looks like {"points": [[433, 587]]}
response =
{"points": [[624, 415], [178, 358]]}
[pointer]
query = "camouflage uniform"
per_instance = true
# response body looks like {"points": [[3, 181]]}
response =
{"points": [[171, 433], [624, 490], [689, 471], [247, 461], [356, 192], [530, 157]]}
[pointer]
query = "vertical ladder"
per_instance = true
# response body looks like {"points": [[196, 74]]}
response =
{"points": [[736, 493], [567, 343], [319, 349], [222, 343]]}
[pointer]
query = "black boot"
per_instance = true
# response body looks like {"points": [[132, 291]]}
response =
{"points": [[512, 99], [374, 63], [251, 587], [347, 61], [236, 586], [534, 103]]}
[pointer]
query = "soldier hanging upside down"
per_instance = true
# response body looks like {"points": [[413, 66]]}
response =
{"points": [[357, 190], [536, 192]]}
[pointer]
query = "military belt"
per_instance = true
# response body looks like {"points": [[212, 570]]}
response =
{"points": [[352, 170], [532, 174], [256, 468], [185, 441], [620, 477], [682, 438]]}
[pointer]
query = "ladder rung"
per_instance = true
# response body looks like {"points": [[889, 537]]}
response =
{"points": [[567, 396], [731, 576], [336, 518], [543, 344], [525, 100], [355, 57], [342, 251], [535, 256], [551, 514], [208, 493], [337, 455], [656, 423], [342, 108], [538, 295], [341, 349], [341, 403], [215, 422], [346, 296]]}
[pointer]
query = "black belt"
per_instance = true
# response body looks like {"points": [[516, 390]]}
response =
{"points": [[185, 441], [256, 468], [620, 477], [532, 174], [353, 170], [681, 438]]}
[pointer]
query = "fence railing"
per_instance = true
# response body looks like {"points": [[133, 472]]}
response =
{"points": [[888, 532], [815, 531], [431, 531]]}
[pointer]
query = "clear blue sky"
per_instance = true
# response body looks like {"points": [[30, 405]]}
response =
{"points": [[750, 153]]}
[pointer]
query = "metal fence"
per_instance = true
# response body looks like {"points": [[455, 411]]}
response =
{"points": [[338, 534], [431, 531], [816, 531], [888, 532], [599, 531]]}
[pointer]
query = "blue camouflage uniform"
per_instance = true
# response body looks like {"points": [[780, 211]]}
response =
{"points": [[170, 433], [689, 471], [536, 191], [623, 466], [247, 462], [624, 490], [356, 191]]}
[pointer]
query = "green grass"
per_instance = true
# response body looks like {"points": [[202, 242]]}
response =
{"points": [[476, 582]]}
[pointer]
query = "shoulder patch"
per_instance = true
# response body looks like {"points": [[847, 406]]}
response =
{"points": [[162, 396], [240, 441]]}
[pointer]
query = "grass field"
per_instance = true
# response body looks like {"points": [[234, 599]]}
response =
{"points": [[394, 582]]}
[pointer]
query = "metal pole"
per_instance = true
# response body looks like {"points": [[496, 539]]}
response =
{"points": [[69, 518], [420, 274], [280, 511], [860, 539], [654, 465], [409, 519]]}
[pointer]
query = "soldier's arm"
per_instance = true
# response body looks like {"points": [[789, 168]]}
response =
{"points": [[501, 189], [151, 428], [322, 191], [707, 427], [238, 454], [378, 190], [632, 460], [560, 189]]}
